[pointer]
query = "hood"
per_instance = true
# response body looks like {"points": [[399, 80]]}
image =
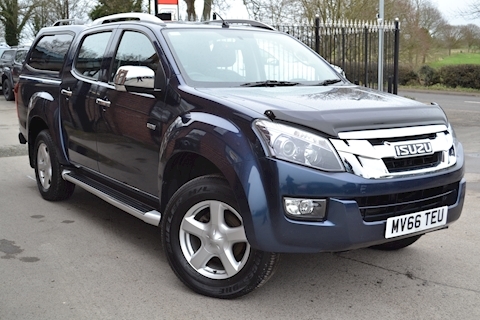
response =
{"points": [[333, 109]]}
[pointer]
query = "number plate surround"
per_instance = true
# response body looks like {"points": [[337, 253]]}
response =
{"points": [[416, 222]]}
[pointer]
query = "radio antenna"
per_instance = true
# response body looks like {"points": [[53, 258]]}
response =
{"points": [[224, 23]]}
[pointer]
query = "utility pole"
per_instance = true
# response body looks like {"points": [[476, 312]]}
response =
{"points": [[381, 17]]}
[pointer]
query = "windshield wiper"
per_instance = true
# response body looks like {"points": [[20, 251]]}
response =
{"points": [[328, 82], [270, 83]]}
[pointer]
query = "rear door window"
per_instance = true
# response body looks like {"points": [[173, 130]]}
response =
{"points": [[20, 56], [49, 52]]}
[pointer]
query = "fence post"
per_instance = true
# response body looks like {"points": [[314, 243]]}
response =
{"points": [[317, 34], [366, 56], [344, 53], [396, 54]]}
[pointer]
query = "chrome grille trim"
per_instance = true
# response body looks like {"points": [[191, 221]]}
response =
{"points": [[366, 159], [391, 133]]}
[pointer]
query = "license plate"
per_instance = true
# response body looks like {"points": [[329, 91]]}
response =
{"points": [[416, 222]]}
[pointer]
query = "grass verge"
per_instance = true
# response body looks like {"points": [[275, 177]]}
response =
{"points": [[457, 58], [439, 87]]}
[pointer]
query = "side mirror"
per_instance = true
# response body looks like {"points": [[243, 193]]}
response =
{"points": [[134, 79]]}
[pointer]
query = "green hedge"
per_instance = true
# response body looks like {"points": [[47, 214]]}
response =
{"points": [[463, 75], [428, 76], [407, 76]]}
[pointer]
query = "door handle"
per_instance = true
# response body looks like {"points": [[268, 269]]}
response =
{"points": [[103, 103], [65, 92]]}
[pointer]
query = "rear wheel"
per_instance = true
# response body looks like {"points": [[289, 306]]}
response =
{"points": [[205, 242], [397, 244], [7, 90], [48, 170]]}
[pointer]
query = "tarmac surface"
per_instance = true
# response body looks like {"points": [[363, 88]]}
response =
{"points": [[84, 259]]}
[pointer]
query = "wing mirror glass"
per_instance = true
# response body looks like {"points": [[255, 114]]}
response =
{"points": [[134, 79]]}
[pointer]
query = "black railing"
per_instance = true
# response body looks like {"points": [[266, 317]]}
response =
{"points": [[353, 46]]}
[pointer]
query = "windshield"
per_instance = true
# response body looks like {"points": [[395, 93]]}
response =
{"points": [[228, 57]]}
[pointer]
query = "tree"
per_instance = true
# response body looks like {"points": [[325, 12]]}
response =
{"points": [[207, 9], [276, 12], [107, 7], [472, 11], [191, 15], [14, 15], [471, 36], [49, 11], [421, 23], [221, 5], [451, 37]]}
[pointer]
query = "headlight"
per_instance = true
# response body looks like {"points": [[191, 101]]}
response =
{"points": [[452, 132], [452, 152], [298, 146]]}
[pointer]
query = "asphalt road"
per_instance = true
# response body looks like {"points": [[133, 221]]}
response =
{"points": [[84, 259]]}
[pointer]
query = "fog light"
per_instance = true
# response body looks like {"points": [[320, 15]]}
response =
{"points": [[305, 209]]}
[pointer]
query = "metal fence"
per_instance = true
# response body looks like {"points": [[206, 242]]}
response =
{"points": [[353, 46]]}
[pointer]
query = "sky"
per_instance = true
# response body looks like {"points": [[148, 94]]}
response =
{"points": [[449, 9]]}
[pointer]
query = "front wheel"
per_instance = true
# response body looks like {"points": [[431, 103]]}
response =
{"points": [[48, 170], [205, 242], [396, 244], [7, 90]]}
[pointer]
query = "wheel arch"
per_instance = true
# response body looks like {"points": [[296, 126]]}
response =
{"points": [[181, 168], [222, 148], [8, 75], [44, 113], [36, 125]]}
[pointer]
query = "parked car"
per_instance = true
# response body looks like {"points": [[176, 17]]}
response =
{"points": [[190, 127], [3, 47], [11, 62]]}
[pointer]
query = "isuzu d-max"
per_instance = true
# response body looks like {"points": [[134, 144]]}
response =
{"points": [[237, 140]]}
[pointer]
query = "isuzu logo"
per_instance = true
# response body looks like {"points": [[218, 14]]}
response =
{"points": [[413, 149]]}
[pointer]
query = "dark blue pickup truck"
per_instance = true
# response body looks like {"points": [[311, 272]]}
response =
{"points": [[237, 140]]}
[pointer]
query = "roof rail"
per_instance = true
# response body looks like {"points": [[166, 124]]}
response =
{"points": [[252, 23], [129, 16], [65, 22]]}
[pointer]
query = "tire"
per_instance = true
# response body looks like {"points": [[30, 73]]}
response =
{"points": [[397, 244], [7, 90], [212, 256], [48, 171]]}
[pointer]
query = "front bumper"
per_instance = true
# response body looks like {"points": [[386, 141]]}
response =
{"points": [[269, 229]]}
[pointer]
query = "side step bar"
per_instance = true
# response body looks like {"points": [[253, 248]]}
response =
{"points": [[115, 198]]}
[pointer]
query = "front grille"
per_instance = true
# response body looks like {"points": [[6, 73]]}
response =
{"points": [[413, 163], [382, 141], [396, 152], [382, 207]]}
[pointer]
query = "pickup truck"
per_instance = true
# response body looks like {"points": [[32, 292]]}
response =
{"points": [[235, 157], [11, 62]]}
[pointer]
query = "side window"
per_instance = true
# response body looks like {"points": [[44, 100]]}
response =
{"points": [[135, 49], [7, 55], [90, 56], [49, 52], [20, 56]]}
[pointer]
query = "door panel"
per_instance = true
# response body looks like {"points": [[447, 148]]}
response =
{"points": [[128, 144], [80, 88]]}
